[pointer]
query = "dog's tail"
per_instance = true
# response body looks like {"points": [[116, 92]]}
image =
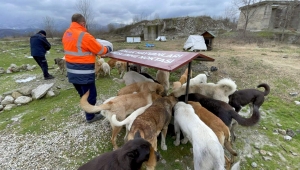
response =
{"points": [[128, 121], [247, 121], [228, 85], [267, 88], [86, 106]]}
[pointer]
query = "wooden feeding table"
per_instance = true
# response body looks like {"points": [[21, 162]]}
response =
{"points": [[162, 60]]}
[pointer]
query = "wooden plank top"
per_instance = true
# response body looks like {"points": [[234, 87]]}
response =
{"points": [[163, 60]]}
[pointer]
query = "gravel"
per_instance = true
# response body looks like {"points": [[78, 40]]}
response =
{"points": [[55, 150]]}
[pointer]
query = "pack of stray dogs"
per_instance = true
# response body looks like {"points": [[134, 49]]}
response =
{"points": [[146, 107]]}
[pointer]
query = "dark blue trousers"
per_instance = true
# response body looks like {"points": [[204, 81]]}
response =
{"points": [[82, 89], [42, 62]]}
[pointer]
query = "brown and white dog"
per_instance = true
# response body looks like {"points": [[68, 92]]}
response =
{"points": [[130, 156], [243, 97], [149, 124], [61, 63], [121, 106], [219, 91], [143, 86], [217, 125], [112, 62]]}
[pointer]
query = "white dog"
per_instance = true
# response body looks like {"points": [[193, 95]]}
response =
{"points": [[207, 150], [132, 77], [105, 68], [219, 91], [200, 78]]}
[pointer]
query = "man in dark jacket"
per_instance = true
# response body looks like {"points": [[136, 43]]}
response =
{"points": [[39, 45]]}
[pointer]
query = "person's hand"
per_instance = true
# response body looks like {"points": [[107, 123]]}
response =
{"points": [[109, 49]]}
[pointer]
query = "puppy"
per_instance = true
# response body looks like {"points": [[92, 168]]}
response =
{"points": [[121, 106], [129, 157], [200, 78], [151, 123], [217, 125], [223, 110], [121, 66], [61, 64], [132, 77], [163, 78], [183, 77], [219, 91], [243, 97], [207, 150], [143, 86], [176, 85]]}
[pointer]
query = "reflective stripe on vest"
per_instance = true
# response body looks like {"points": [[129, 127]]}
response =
{"points": [[78, 45], [80, 71]]}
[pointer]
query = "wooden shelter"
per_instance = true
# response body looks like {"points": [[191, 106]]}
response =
{"points": [[208, 37]]}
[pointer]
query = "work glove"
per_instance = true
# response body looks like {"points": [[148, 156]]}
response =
{"points": [[109, 49]]}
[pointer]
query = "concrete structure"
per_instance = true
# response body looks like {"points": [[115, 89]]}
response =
{"points": [[269, 15]]}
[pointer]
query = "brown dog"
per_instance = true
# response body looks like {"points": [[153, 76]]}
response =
{"points": [[151, 123], [143, 86], [61, 64], [217, 125], [130, 157], [243, 97], [112, 62], [121, 106], [183, 77]]}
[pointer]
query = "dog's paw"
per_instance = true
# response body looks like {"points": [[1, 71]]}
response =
{"points": [[184, 141], [176, 142], [164, 147]]}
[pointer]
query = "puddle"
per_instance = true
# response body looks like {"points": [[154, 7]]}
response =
{"points": [[26, 80]]}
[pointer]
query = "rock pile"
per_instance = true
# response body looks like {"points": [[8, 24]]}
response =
{"points": [[24, 95]]}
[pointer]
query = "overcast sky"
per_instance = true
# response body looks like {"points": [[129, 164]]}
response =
{"points": [[106, 11]]}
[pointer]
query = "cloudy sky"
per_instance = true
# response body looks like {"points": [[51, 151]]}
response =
{"points": [[16, 13]]}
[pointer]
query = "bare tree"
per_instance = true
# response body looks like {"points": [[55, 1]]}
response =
{"points": [[49, 26], [248, 10], [85, 8], [111, 27], [288, 13], [156, 16]]}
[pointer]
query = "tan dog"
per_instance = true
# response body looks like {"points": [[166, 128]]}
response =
{"points": [[143, 86], [217, 125], [122, 67], [98, 68], [151, 123], [61, 64], [121, 106], [176, 85], [183, 77], [163, 78], [219, 91]]}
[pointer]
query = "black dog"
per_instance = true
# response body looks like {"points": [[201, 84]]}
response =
{"points": [[243, 97], [223, 110], [129, 157]]}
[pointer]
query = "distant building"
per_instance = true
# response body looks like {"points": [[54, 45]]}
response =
{"points": [[269, 15]]}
